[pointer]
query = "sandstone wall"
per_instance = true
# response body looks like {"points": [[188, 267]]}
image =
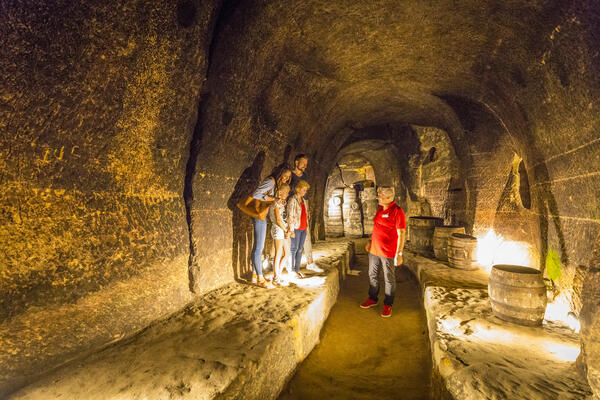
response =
{"points": [[97, 107], [102, 109]]}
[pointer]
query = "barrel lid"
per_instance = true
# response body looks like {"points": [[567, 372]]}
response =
{"points": [[463, 236], [518, 269]]}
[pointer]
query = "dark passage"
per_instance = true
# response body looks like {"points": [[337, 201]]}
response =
{"points": [[364, 356]]}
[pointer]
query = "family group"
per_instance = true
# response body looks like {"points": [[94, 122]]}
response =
{"points": [[289, 215]]}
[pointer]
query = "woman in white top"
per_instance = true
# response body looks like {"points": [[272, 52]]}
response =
{"points": [[280, 231], [265, 192]]}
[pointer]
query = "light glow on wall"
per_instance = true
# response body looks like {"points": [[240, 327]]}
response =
{"points": [[492, 249], [560, 310]]}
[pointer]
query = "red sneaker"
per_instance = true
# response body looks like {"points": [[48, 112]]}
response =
{"points": [[368, 303], [387, 311]]}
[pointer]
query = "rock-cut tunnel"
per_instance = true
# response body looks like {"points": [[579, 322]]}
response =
{"points": [[130, 129]]}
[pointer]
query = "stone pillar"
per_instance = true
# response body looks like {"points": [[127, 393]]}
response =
{"points": [[590, 322]]}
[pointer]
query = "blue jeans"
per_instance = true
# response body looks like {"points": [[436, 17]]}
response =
{"points": [[296, 246], [260, 232], [376, 264]]}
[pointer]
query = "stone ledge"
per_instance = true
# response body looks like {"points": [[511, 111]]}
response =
{"points": [[478, 356], [236, 339], [41, 339]]}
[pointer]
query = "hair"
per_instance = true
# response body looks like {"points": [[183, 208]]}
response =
{"points": [[281, 188], [300, 157], [389, 190], [301, 185], [278, 171]]}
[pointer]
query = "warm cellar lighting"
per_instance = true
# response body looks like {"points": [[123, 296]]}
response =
{"points": [[316, 257], [492, 249], [560, 310], [483, 332]]}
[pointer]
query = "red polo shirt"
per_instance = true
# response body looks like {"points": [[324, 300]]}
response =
{"points": [[384, 239]]}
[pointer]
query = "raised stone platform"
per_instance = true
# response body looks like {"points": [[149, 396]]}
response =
{"points": [[238, 341], [478, 356]]}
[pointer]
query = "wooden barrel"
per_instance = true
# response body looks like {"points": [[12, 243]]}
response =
{"points": [[440, 240], [517, 294], [334, 225], [351, 213], [369, 206], [461, 251], [421, 234]]}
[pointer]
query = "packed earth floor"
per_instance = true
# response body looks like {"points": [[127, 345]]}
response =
{"points": [[364, 356]]}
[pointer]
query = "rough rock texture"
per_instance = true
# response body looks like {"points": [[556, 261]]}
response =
{"points": [[97, 105], [104, 106], [435, 185], [590, 324], [478, 356], [436, 273], [235, 342], [41, 338]]}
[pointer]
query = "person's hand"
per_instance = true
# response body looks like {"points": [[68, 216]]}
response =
{"points": [[292, 234], [308, 215], [270, 198], [399, 259], [368, 246]]}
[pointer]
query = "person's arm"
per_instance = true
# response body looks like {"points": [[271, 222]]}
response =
{"points": [[401, 230], [400, 246], [292, 214], [307, 210], [263, 190], [278, 219]]}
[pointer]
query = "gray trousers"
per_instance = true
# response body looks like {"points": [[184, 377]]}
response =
{"points": [[377, 263]]}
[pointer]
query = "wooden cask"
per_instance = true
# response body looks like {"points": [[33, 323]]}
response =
{"points": [[369, 207], [421, 231], [517, 294], [334, 226], [440, 240], [352, 215], [461, 251]]}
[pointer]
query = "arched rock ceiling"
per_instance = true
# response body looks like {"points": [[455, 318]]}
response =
{"points": [[315, 66]]}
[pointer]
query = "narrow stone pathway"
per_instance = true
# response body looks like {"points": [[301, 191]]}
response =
{"points": [[364, 356]]}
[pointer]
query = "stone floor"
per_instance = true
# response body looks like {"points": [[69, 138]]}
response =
{"points": [[478, 356], [239, 341], [364, 356]]}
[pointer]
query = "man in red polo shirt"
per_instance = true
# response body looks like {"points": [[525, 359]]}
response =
{"points": [[385, 249]]}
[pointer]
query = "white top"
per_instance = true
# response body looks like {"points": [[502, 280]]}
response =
{"points": [[272, 215]]}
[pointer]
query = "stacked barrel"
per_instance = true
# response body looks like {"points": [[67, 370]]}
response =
{"points": [[352, 216], [461, 251], [369, 207], [334, 226], [421, 231], [440, 240]]}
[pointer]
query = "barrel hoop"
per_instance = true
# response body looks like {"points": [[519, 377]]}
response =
{"points": [[503, 283], [517, 309]]}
